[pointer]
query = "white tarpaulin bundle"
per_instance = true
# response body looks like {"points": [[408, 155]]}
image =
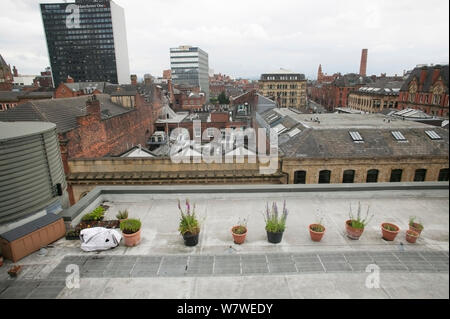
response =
{"points": [[99, 238]]}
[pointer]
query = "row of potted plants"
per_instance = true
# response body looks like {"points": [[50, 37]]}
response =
{"points": [[189, 226], [356, 224], [276, 225]]}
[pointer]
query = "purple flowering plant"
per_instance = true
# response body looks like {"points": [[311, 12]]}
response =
{"points": [[188, 222], [276, 221]]}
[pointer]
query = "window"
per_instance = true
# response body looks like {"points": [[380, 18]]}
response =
{"points": [[357, 138], [372, 176], [398, 136], [420, 175], [349, 176], [433, 135], [443, 175], [210, 132], [197, 132], [300, 177], [396, 175], [324, 177]]}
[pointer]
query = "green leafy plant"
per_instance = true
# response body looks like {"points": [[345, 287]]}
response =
{"points": [[188, 222], [389, 227], [317, 228], [358, 222], [96, 215], [122, 214], [413, 223], [241, 227], [130, 226], [275, 222]]}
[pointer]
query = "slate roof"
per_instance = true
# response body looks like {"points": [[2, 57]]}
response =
{"points": [[81, 86], [351, 79], [330, 143], [327, 136], [9, 96], [62, 112], [428, 82]]}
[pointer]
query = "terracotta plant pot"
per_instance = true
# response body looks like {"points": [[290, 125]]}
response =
{"points": [[316, 236], [131, 240], [190, 240], [353, 233], [274, 238], [238, 238], [389, 235], [14, 271], [411, 236], [415, 227]]}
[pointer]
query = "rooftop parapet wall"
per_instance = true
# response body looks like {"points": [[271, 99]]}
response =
{"points": [[155, 165]]}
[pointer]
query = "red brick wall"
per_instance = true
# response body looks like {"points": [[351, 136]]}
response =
{"points": [[62, 91], [97, 138]]}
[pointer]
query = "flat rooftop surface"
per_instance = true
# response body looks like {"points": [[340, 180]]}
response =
{"points": [[340, 121], [337, 267]]}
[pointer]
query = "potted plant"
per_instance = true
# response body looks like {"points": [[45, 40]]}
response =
{"points": [[95, 216], [411, 236], [15, 270], [239, 232], [122, 215], [189, 226], [389, 231], [131, 229], [355, 225], [415, 226], [275, 223], [316, 231]]}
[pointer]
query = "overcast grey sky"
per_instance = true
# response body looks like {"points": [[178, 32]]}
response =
{"points": [[245, 38]]}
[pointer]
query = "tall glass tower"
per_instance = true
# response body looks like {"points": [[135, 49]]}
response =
{"points": [[87, 41], [190, 67]]}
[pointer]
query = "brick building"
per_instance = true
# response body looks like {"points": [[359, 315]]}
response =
{"points": [[287, 88], [335, 94], [426, 89], [6, 76], [72, 89], [375, 97], [94, 126]]}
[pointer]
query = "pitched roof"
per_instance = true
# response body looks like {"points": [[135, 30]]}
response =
{"points": [[330, 143], [351, 79], [428, 81], [62, 112]]}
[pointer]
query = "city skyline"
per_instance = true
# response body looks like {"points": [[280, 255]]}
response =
{"points": [[246, 45]]}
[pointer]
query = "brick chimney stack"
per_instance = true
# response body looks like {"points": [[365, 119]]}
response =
{"points": [[70, 79], [363, 66], [93, 106], [133, 79], [15, 72]]}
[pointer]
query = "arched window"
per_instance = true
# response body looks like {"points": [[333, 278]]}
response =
{"points": [[420, 175], [396, 175], [443, 175], [372, 176], [300, 177], [324, 177], [349, 176]]}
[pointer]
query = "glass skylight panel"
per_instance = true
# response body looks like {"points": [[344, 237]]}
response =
{"points": [[356, 137], [294, 132], [398, 136], [280, 128], [433, 135]]}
